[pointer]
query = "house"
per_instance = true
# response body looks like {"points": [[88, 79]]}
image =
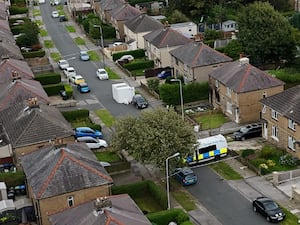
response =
{"points": [[137, 27], [281, 119], [195, 60], [76, 7], [6, 151], [4, 4], [19, 90], [160, 42], [30, 125], [237, 87], [119, 16], [188, 29], [9, 50], [61, 177], [14, 69], [111, 210], [229, 26], [105, 8]]}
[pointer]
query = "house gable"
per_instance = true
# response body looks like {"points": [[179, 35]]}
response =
{"points": [[143, 23]]}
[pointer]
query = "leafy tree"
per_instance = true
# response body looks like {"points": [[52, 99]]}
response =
{"points": [[153, 136], [30, 37], [264, 34], [233, 49], [177, 17], [295, 20]]}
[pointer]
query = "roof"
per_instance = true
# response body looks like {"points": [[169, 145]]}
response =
{"points": [[31, 125], [197, 54], [20, 90], [107, 5], [8, 66], [54, 171], [143, 23], [242, 77], [287, 103], [9, 49], [125, 12], [124, 211], [166, 37]]}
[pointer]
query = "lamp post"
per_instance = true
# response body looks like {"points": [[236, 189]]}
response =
{"points": [[167, 176], [181, 96], [102, 45]]}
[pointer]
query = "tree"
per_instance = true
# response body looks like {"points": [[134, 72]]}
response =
{"points": [[154, 136], [264, 34]]}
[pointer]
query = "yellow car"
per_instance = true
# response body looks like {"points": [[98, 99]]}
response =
{"points": [[76, 79]]}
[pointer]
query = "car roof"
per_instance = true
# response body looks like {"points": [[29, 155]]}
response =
{"points": [[186, 170], [82, 51], [83, 84], [83, 128], [69, 68], [62, 60], [78, 77], [86, 138], [101, 69]]}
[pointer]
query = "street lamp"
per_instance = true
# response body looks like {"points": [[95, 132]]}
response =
{"points": [[181, 96], [102, 45], [167, 176]]}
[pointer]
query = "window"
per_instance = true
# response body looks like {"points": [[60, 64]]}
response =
{"points": [[228, 91], [275, 133], [274, 114], [264, 95], [229, 107], [70, 201], [217, 84], [291, 143], [264, 109], [292, 124]]}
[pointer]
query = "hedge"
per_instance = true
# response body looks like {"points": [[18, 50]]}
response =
{"points": [[17, 29], [13, 20], [167, 216], [53, 89], [139, 53], [13, 179], [48, 78], [139, 65], [69, 90], [13, 10], [74, 115], [39, 53]]}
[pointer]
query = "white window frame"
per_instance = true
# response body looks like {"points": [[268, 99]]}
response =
{"points": [[229, 107], [264, 109], [70, 201], [274, 134], [292, 124], [274, 114], [291, 143], [228, 91], [217, 84]]}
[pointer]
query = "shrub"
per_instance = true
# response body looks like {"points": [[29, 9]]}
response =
{"points": [[16, 29], [153, 84], [53, 89], [69, 90], [288, 160], [165, 217], [13, 10], [258, 161], [39, 53], [139, 65], [74, 115], [48, 78], [266, 153], [13, 179], [247, 152]]}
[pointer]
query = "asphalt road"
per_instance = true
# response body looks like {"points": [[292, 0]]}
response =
{"points": [[101, 91]]}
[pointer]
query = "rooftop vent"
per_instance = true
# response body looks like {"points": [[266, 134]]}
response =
{"points": [[244, 61], [32, 102], [15, 75], [102, 203]]}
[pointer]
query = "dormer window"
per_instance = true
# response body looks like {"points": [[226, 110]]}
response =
{"points": [[292, 124]]}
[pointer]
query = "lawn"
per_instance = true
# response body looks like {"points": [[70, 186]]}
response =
{"points": [[147, 204], [225, 171], [59, 7], [79, 41], [36, 12], [71, 29], [39, 22], [112, 75], [93, 56], [48, 44], [43, 33], [107, 156], [210, 120], [105, 117], [55, 56], [290, 219]]}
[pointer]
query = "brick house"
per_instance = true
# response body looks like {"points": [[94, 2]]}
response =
{"points": [[237, 87], [281, 119], [195, 60], [63, 176]]}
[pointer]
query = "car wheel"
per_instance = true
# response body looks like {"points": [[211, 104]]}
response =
{"points": [[136, 106], [268, 219], [243, 138], [254, 209]]}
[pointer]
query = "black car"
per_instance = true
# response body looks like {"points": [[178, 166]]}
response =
{"points": [[63, 94], [249, 131], [139, 102], [269, 209]]}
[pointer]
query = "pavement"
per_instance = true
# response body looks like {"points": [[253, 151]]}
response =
{"points": [[251, 186]]}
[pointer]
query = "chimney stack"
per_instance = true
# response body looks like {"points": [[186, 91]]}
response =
{"points": [[102, 203]]}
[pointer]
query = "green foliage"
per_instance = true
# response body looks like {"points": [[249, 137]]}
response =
{"points": [[69, 90], [48, 78], [13, 179], [247, 152], [17, 29], [39, 53], [109, 32], [288, 75], [14, 10], [153, 136], [177, 17], [71, 116], [165, 217], [212, 35], [295, 20], [233, 49], [53, 89], [267, 153], [288, 160], [153, 84], [30, 37], [139, 53], [135, 65], [265, 34]]}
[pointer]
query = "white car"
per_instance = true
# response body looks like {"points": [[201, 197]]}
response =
{"points": [[117, 44], [102, 74], [62, 64], [69, 71], [126, 57], [93, 143], [55, 14]]}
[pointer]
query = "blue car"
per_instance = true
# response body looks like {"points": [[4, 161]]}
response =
{"points": [[87, 131], [83, 88], [164, 74], [185, 176]]}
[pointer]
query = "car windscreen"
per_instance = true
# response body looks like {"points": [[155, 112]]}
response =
{"points": [[270, 205]]}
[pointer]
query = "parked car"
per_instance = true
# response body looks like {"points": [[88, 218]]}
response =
{"points": [[102, 74], [84, 56], [93, 143], [126, 57], [185, 176], [268, 209], [62, 18], [63, 94], [76, 79], [139, 101], [249, 131], [164, 74], [83, 88], [87, 131], [62, 64], [69, 71], [117, 43], [55, 14]]}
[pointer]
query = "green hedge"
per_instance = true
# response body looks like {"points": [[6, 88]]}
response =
{"points": [[17, 29], [74, 115], [13, 20], [53, 89], [139, 65], [39, 53], [13, 10], [165, 217], [69, 90], [13, 179], [48, 78], [139, 53]]}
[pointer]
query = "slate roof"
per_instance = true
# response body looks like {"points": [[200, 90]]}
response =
{"points": [[8, 66], [54, 171], [166, 37], [125, 12], [197, 54], [4, 25], [9, 49], [31, 125], [7, 36], [20, 90], [243, 77], [124, 211], [107, 5], [287, 103], [3, 13], [143, 23]]}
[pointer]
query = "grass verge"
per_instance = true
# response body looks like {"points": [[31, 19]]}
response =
{"points": [[39, 22], [43, 33], [226, 171], [290, 219], [112, 75], [36, 12], [107, 156], [79, 41], [55, 56], [106, 117], [71, 29], [48, 44], [93, 56]]}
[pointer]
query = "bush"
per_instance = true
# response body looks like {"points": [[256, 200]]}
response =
{"points": [[267, 153], [72, 116], [13, 10], [48, 78], [138, 65], [13, 179], [16, 29], [288, 160], [247, 152], [153, 84], [165, 217], [39, 53], [53, 89], [69, 90]]}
